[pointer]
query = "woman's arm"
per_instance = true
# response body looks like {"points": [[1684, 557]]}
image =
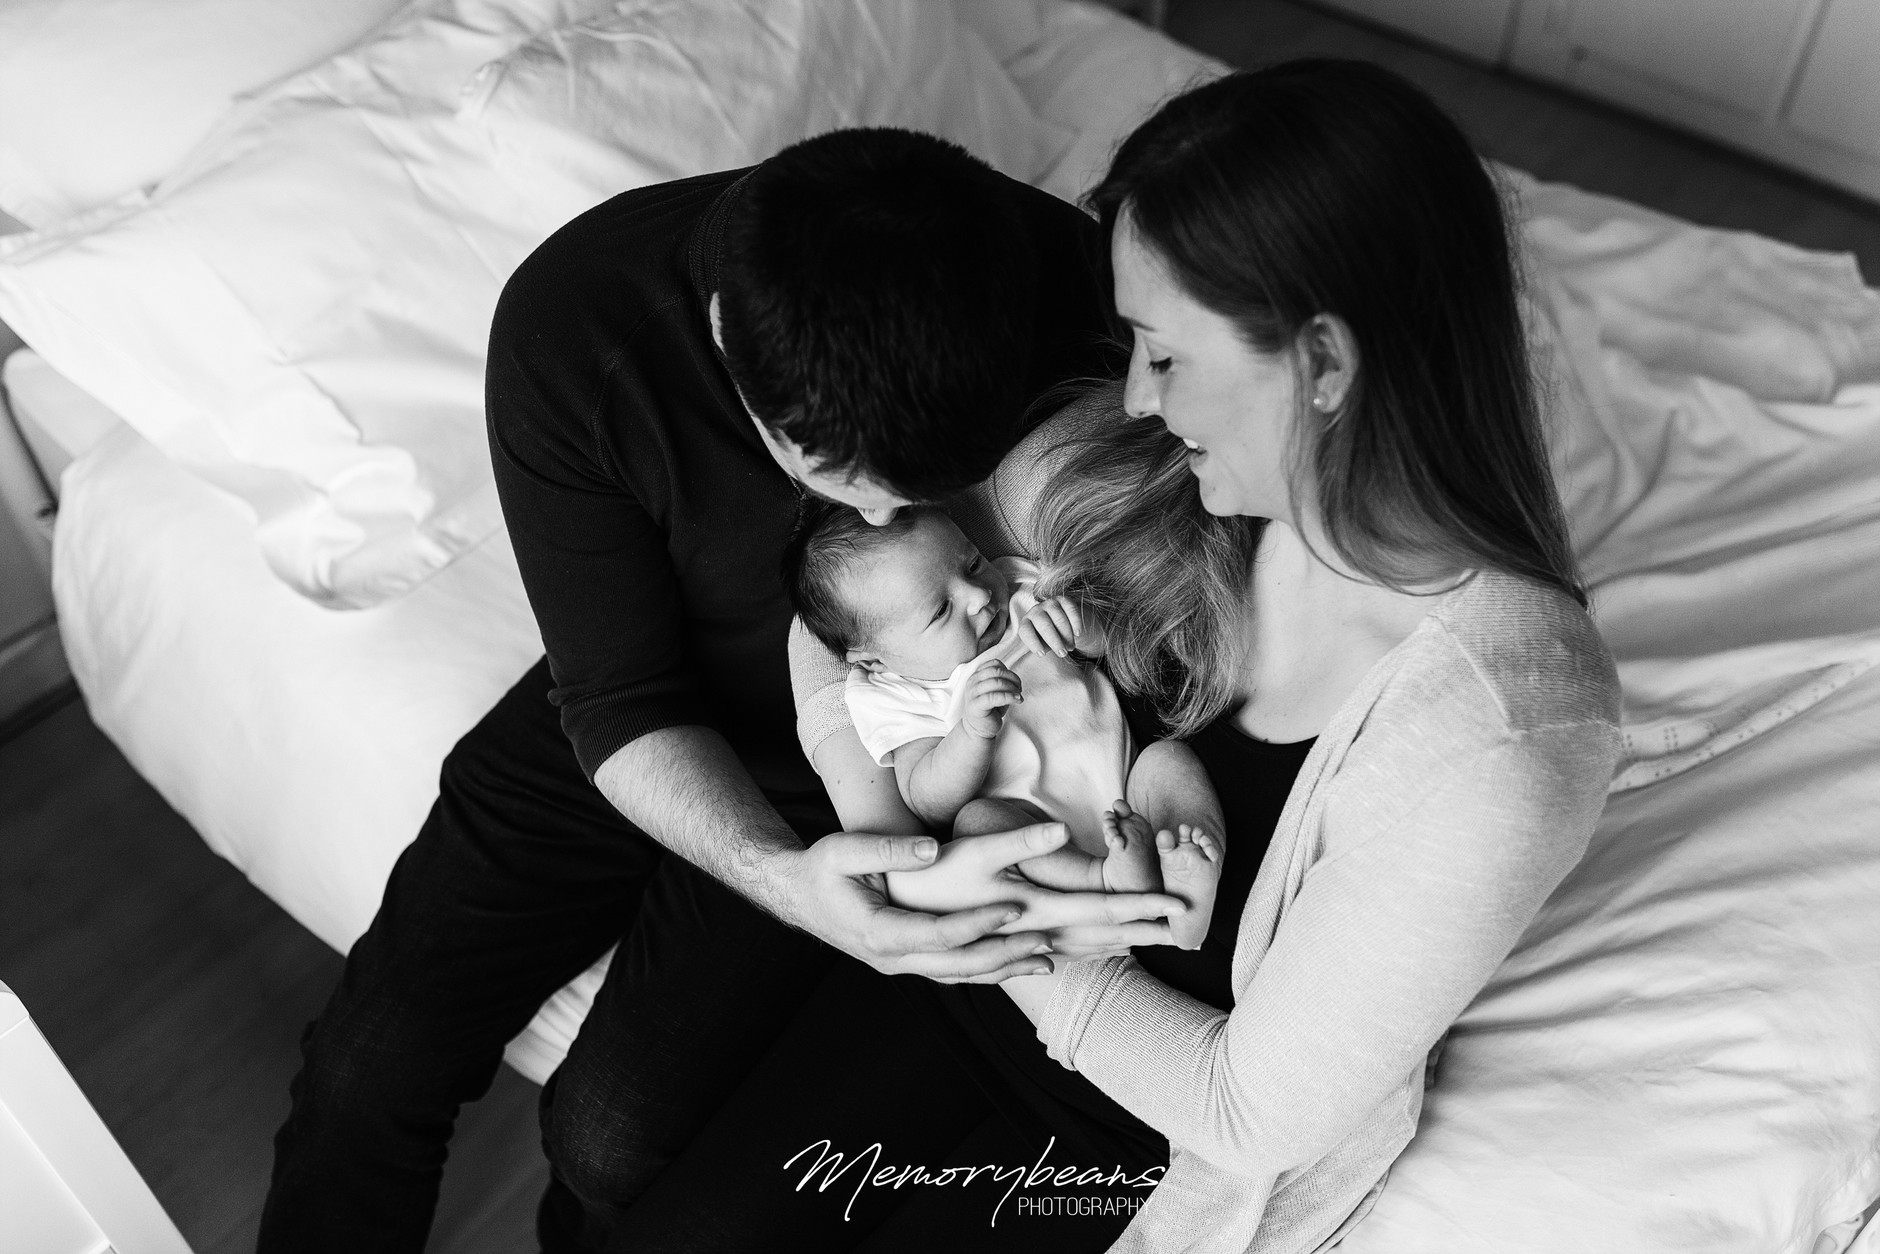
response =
{"points": [[1374, 959]]}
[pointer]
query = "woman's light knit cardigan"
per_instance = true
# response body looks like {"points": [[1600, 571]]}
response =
{"points": [[1440, 806]]}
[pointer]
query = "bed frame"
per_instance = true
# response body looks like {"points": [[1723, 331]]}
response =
{"points": [[34, 677]]}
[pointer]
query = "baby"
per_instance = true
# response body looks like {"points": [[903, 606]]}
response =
{"points": [[964, 681]]}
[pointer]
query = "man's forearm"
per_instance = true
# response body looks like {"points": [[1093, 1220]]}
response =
{"points": [[685, 787]]}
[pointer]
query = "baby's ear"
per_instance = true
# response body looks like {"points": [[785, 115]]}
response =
{"points": [[870, 662]]}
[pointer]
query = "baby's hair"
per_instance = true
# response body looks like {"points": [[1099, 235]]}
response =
{"points": [[826, 538]]}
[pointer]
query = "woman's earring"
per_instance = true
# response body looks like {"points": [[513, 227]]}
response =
{"points": [[1321, 402]]}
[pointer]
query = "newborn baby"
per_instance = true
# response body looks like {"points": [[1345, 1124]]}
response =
{"points": [[964, 681]]}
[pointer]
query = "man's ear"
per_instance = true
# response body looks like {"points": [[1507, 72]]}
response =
{"points": [[1329, 352], [718, 322]]}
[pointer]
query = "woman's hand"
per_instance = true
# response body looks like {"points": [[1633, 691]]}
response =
{"points": [[973, 871], [1073, 944]]}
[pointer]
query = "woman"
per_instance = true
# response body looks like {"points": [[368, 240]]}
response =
{"points": [[1316, 273]]}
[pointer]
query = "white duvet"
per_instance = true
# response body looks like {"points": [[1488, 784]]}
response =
{"points": [[1683, 1054], [298, 313]]}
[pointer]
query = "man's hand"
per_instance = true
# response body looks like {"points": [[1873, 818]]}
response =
{"points": [[962, 912], [686, 787], [990, 689], [839, 889]]}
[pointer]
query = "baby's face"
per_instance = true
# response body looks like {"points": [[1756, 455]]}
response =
{"points": [[927, 601]]}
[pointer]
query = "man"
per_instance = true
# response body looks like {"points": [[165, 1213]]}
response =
{"points": [[866, 316]]}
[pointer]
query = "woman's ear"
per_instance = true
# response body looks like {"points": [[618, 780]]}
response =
{"points": [[1330, 354]]}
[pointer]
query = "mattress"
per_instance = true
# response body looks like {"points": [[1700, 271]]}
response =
{"points": [[1684, 1052], [58, 420]]}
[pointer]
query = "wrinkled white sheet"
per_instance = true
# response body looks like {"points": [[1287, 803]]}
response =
{"points": [[299, 312], [1684, 1054], [99, 98]]}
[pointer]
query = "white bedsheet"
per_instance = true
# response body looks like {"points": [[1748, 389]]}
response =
{"points": [[1685, 1052], [1681, 1056], [299, 312]]}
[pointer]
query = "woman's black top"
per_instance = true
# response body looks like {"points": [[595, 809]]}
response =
{"points": [[999, 1044]]}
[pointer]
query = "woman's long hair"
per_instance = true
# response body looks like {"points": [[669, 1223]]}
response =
{"points": [[1120, 525], [1336, 187]]}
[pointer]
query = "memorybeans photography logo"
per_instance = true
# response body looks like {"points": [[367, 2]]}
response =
{"points": [[826, 1167]]}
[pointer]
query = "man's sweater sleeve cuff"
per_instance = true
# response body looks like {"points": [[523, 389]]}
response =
{"points": [[600, 733]]}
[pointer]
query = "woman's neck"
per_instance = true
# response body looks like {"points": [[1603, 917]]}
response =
{"points": [[1314, 633]]}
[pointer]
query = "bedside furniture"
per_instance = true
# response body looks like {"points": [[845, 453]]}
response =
{"points": [[65, 1185], [1791, 81], [33, 672]]}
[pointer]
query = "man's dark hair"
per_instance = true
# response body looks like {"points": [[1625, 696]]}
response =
{"points": [[877, 297], [826, 539]]}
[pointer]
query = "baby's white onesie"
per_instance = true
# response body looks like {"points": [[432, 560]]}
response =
{"points": [[1065, 748]]}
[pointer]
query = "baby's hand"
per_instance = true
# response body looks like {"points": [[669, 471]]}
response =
{"points": [[1057, 625], [992, 687]]}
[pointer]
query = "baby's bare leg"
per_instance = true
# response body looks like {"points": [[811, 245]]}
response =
{"points": [[983, 816], [1170, 788], [1068, 869]]}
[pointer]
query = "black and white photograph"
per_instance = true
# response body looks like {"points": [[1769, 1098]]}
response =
{"points": [[939, 626]]}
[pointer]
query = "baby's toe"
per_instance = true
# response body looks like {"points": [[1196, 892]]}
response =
{"points": [[1188, 860]]}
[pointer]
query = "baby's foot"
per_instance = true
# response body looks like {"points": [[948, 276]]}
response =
{"points": [[1130, 857], [1191, 869]]}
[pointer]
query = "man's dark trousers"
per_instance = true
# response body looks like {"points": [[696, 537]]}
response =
{"points": [[520, 878]]}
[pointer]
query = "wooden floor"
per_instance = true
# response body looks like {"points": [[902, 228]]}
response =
{"points": [[175, 992]]}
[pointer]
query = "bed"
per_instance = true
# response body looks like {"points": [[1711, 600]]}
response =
{"points": [[285, 591]]}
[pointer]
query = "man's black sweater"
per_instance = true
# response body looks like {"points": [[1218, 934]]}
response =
{"points": [[647, 516]]}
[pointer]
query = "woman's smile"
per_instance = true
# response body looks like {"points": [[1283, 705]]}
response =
{"points": [[1191, 368]]}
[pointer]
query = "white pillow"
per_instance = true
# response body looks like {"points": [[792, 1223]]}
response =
{"points": [[1089, 69], [101, 97], [299, 313], [653, 90]]}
